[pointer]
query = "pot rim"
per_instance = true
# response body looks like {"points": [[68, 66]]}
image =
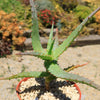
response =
{"points": [[25, 79]]}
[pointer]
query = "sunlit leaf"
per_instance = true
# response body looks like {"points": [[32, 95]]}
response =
{"points": [[50, 41], [27, 74], [35, 30], [55, 70]]}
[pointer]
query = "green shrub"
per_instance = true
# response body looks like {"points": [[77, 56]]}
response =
{"points": [[82, 12], [10, 6]]}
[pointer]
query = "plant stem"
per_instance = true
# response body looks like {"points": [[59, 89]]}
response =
{"points": [[47, 83], [48, 80]]}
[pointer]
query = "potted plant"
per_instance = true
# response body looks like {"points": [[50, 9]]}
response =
{"points": [[50, 57]]}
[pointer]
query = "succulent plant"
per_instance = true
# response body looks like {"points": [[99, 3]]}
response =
{"points": [[50, 56]]}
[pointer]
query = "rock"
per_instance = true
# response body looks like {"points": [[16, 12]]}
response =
{"points": [[80, 41]]}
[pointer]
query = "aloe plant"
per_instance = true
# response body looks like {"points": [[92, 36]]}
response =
{"points": [[50, 56]]}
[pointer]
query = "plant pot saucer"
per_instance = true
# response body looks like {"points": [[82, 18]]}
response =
{"points": [[57, 90]]}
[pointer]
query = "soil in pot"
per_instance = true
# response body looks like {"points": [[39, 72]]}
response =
{"points": [[34, 89]]}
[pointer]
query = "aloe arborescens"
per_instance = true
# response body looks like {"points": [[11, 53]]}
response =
{"points": [[50, 56]]}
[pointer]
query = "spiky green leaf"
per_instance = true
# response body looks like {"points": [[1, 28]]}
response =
{"points": [[71, 38], [56, 42], [35, 29], [38, 54], [55, 70], [50, 41], [27, 74]]}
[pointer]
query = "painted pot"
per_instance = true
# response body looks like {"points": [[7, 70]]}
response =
{"points": [[25, 79]]}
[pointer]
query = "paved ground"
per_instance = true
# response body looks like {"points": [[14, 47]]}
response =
{"points": [[77, 55]]}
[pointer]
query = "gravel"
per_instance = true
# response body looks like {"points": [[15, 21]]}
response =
{"points": [[74, 55], [60, 90]]}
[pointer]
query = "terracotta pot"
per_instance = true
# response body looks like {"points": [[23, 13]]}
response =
{"points": [[25, 79], [17, 88]]}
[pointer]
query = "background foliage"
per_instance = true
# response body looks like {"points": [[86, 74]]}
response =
{"points": [[76, 10], [66, 14], [11, 29], [82, 12], [67, 5]]}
